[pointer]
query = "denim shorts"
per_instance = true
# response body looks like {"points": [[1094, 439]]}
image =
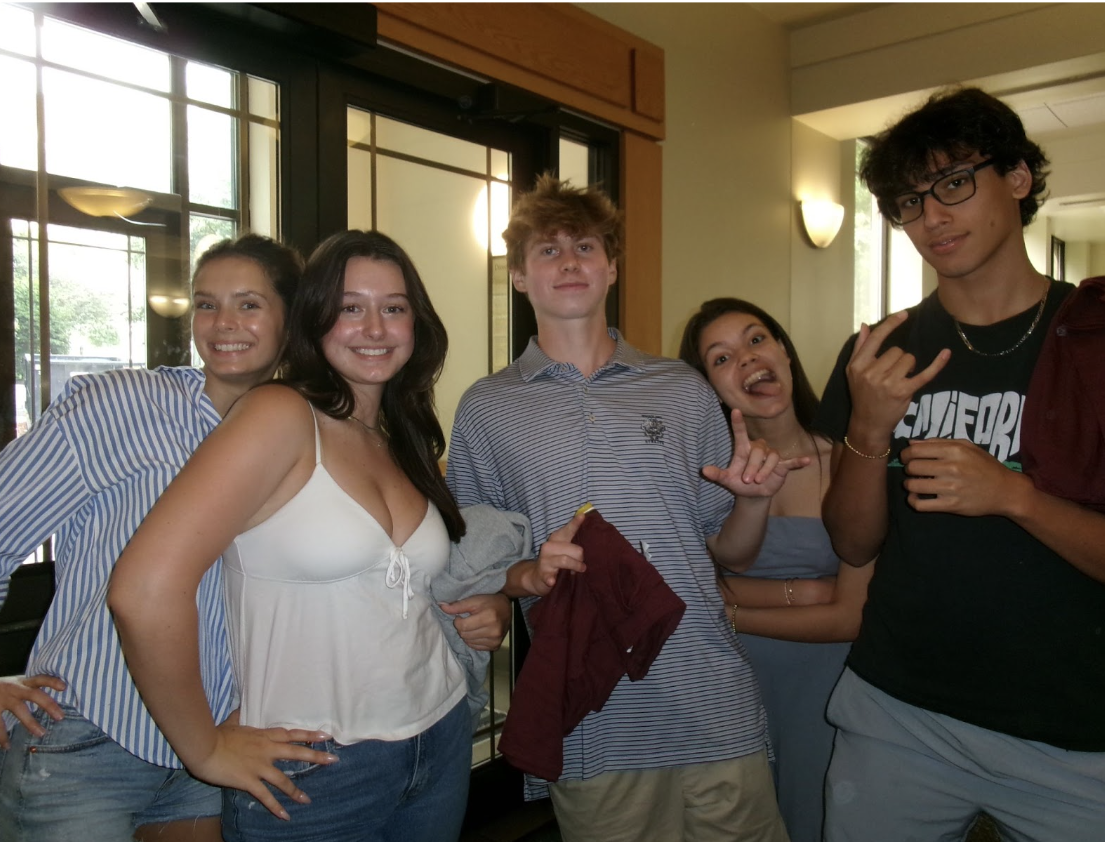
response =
{"points": [[76, 783], [413, 790]]}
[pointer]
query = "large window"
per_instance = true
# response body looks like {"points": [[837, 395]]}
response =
{"points": [[119, 164], [96, 288]]}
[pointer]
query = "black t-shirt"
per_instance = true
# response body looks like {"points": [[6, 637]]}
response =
{"points": [[971, 616]]}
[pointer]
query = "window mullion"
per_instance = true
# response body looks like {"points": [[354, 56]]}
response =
{"points": [[241, 166], [42, 216], [179, 151]]}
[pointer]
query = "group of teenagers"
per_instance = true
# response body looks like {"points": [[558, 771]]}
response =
{"points": [[246, 565]]}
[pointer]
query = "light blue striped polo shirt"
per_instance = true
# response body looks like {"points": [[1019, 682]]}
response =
{"points": [[88, 472], [541, 439]]}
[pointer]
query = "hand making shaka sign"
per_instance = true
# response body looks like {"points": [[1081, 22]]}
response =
{"points": [[882, 384]]}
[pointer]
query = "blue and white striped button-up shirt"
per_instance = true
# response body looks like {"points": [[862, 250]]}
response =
{"points": [[541, 439], [87, 473]]}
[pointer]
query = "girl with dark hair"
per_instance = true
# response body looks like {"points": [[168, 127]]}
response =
{"points": [[83, 757], [797, 606], [406, 417], [327, 490]]}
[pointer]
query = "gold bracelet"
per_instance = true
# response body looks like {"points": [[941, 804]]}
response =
{"points": [[788, 591], [848, 445], [733, 619]]}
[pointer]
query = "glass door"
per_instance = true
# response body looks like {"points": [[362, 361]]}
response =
{"points": [[446, 201], [413, 166], [433, 159], [83, 294]]}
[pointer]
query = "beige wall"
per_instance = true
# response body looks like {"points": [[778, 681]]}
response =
{"points": [[822, 280], [1097, 259], [727, 194]]}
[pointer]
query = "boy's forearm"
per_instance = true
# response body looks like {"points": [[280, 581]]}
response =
{"points": [[1074, 532], [855, 508], [518, 577]]}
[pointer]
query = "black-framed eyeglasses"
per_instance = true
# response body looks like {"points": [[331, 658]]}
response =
{"points": [[952, 189]]}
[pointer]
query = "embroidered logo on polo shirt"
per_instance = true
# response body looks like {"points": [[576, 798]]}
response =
{"points": [[653, 428]]}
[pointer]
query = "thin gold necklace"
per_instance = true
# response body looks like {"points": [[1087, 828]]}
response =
{"points": [[362, 423], [1019, 342], [795, 448], [376, 439]]}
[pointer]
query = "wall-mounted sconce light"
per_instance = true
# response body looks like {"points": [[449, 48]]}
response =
{"points": [[169, 306], [106, 201], [822, 220]]}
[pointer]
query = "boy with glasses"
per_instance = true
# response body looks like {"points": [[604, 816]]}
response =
{"points": [[977, 683]]}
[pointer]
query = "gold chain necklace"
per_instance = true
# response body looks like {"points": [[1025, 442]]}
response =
{"points": [[377, 438], [1019, 342], [795, 448]]}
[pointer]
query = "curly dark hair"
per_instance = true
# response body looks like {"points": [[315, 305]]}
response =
{"points": [[553, 206], [954, 123], [804, 398], [407, 415]]}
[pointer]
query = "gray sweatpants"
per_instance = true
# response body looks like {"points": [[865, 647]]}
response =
{"points": [[900, 773]]}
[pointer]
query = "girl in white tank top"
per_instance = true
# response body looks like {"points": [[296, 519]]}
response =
{"points": [[328, 493]]}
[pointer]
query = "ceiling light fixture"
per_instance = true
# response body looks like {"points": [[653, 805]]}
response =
{"points": [[106, 201], [169, 306]]}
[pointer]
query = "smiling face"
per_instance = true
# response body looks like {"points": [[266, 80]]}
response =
{"points": [[746, 365], [959, 240], [566, 276], [374, 335], [237, 321]]}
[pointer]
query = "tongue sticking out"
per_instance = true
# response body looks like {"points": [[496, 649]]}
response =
{"points": [[765, 387]]}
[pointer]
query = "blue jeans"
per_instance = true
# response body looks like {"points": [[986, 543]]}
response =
{"points": [[413, 790], [76, 783]]}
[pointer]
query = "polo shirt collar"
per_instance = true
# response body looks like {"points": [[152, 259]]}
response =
{"points": [[534, 362]]}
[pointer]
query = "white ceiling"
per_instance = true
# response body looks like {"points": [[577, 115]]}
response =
{"points": [[1056, 115], [1059, 104]]}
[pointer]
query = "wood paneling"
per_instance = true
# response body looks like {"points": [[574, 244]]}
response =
{"points": [[536, 37], [551, 49], [648, 82], [642, 192]]}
